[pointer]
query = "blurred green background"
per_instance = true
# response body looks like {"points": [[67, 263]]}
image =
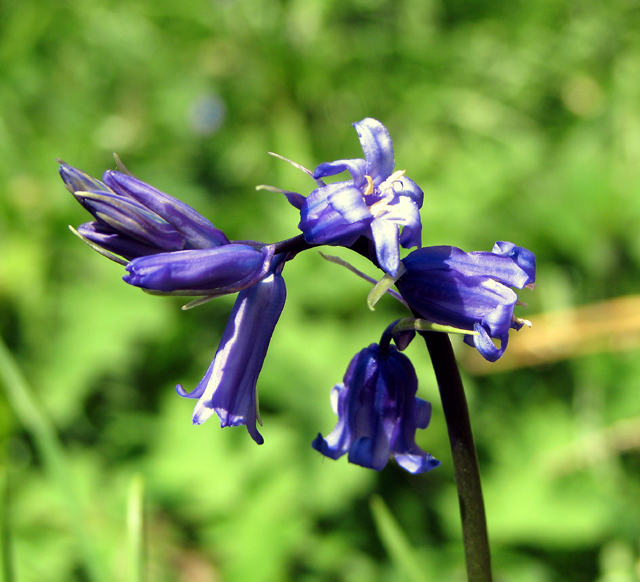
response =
{"points": [[521, 122]]}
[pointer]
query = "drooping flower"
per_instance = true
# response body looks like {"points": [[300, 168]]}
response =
{"points": [[471, 291], [134, 219], [229, 386], [375, 203], [378, 413]]}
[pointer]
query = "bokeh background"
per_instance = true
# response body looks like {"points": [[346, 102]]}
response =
{"points": [[521, 122]]}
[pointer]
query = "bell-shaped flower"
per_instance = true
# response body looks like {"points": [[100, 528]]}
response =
{"points": [[378, 413], [229, 386], [375, 203], [134, 219], [470, 291], [217, 271]]}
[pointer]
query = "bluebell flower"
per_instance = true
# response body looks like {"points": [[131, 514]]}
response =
{"points": [[134, 219], [217, 271], [471, 291], [375, 203], [229, 386], [378, 413]]}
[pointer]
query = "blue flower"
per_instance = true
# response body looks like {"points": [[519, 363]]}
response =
{"points": [[134, 219], [217, 271], [375, 203], [229, 386], [378, 413], [470, 291]]}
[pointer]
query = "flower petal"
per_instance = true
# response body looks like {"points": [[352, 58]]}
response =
{"points": [[405, 212], [407, 188], [231, 386], [385, 237], [337, 442], [115, 242], [377, 147], [219, 268], [469, 290], [200, 388], [378, 413], [412, 413], [370, 453], [417, 463], [78, 181], [357, 168], [524, 258], [501, 267], [334, 214], [129, 217], [423, 413], [484, 344], [448, 297], [199, 231]]}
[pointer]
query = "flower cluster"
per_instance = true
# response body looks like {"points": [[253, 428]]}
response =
{"points": [[169, 248]]}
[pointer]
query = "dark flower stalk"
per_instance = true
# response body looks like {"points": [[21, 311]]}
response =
{"points": [[465, 460]]}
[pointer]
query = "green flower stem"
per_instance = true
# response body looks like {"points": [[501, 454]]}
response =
{"points": [[465, 460]]}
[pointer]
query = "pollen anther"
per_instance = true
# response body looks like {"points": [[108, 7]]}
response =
{"points": [[369, 189]]}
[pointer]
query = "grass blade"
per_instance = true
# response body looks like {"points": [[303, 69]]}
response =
{"points": [[6, 553], [136, 529], [395, 542]]}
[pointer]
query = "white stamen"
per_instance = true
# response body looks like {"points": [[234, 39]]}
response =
{"points": [[391, 180], [379, 208]]}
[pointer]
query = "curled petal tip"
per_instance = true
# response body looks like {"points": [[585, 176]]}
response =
{"points": [[77, 181], [377, 147], [417, 464]]}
